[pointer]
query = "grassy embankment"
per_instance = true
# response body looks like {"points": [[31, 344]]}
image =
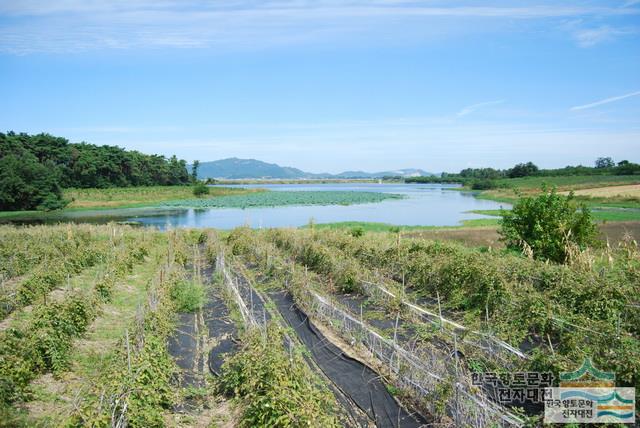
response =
{"points": [[610, 197], [367, 226], [131, 197], [127, 197], [597, 191]]}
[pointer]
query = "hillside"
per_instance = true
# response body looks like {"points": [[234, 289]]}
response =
{"points": [[235, 168]]}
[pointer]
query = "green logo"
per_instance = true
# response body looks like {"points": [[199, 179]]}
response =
{"points": [[587, 376]]}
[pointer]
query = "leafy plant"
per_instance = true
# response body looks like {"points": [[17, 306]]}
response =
{"points": [[357, 232], [276, 391], [188, 296], [200, 189], [548, 224]]}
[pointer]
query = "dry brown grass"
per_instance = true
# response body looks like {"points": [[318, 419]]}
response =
{"points": [[489, 237], [472, 237], [627, 191], [119, 197]]}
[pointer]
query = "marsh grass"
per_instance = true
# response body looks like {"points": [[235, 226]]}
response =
{"points": [[125, 197]]}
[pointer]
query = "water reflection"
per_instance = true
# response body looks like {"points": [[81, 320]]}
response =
{"points": [[435, 205], [429, 204]]}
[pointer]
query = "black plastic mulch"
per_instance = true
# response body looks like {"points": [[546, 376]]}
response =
{"points": [[356, 380], [219, 324], [183, 347]]}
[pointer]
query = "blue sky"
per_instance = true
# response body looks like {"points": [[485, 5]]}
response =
{"points": [[330, 85]]}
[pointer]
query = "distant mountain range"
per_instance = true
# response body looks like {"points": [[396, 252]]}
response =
{"points": [[234, 168]]}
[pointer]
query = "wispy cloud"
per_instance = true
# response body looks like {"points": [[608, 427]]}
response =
{"points": [[593, 36], [605, 101], [631, 3], [80, 25], [470, 109]]}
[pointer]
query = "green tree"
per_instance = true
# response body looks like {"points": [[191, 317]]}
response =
{"points": [[604, 163], [548, 224], [627, 168], [36, 167], [522, 170], [26, 184], [194, 170]]}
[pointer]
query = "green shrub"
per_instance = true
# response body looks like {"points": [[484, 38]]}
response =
{"points": [[53, 202], [548, 224], [277, 391], [200, 189], [357, 231], [44, 344], [484, 184], [188, 296]]}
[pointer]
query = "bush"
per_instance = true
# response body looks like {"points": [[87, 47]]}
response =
{"points": [[548, 224], [53, 202], [276, 388], [357, 231], [187, 295], [200, 189], [484, 184]]}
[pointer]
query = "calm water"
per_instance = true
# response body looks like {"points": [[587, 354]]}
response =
{"points": [[428, 204], [425, 204]]}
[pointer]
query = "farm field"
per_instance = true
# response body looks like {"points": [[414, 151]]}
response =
{"points": [[209, 328], [570, 182], [612, 190], [623, 191]]}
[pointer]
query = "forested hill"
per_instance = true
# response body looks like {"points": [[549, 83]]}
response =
{"points": [[234, 168], [34, 169]]}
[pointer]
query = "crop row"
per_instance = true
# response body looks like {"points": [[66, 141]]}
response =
{"points": [[137, 387], [422, 369], [42, 341], [270, 373], [61, 253], [24, 248], [566, 313]]}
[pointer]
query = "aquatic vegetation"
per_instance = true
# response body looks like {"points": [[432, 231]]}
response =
{"points": [[275, 199]]}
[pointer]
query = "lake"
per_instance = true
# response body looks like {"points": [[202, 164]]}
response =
{"points": [[423, 205]]}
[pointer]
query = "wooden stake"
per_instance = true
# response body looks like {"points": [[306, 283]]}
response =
{"points": [[439, 310], [126, 333]]}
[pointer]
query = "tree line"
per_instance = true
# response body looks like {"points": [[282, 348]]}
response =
{"points": [[484, 178], [35, 168]]}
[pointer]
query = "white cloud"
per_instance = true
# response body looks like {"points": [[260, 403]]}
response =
{"points": [[605, 101], [593, 36], [80, 25], [470, 109]]}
